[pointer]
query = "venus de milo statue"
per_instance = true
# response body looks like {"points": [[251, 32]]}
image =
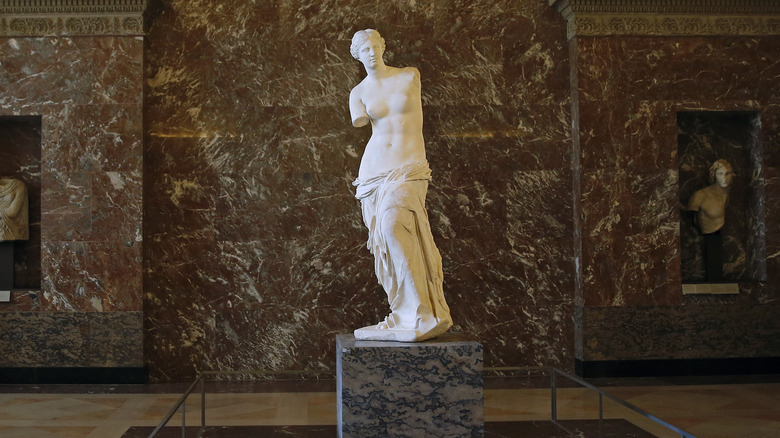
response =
{"points": [[391, 186]]}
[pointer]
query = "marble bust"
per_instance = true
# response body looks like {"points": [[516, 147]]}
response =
{"points": [[13, 210], [710, 202], [392, 184]]}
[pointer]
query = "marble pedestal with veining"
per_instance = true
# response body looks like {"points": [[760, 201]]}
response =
{"points": [[423, 389]]}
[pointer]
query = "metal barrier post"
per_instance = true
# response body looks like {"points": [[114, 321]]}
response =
{"points": [[184, 420], [203, 405], [601, 407]]}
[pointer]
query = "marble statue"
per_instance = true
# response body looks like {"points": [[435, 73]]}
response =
{"points": [[391, 186], [13, 210], [709, 204]]}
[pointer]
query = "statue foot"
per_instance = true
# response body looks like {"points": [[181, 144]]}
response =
{"points": [[381, 332]]}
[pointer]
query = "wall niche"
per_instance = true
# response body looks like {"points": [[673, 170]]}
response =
{"points": [[703, 138], [20, 158]]}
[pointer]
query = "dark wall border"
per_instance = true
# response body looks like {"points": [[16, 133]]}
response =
{"points": [[678, 367], [83, 376]]}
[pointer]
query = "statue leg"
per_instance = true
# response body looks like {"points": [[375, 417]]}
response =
{"points": [[404, 271]]}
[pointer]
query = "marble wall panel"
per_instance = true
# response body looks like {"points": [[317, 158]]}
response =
{"points": [[88, 93], [531, 335], [504, 19], [184, 206], [91, 276], [100, 206], [50, 338], [658, 69], [772, 199], [511, 131], [113, 339], [255, 248], [639, 269], [629, 90], [630, 252], [645, 112], [86, 70], [116, 207], [66, 203], [93, 137], [71, 339], [629, 201], [627, 134], [770, 132], [681, 332]]}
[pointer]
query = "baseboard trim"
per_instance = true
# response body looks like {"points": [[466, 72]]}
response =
{"points": [[678, 367], [82, 376]]}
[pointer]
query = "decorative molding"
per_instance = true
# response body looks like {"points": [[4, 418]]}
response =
{"points": [[71, 17], [669, 17]]}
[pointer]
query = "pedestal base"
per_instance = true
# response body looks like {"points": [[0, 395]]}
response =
{"points": [[422, 389], [710, 289]]}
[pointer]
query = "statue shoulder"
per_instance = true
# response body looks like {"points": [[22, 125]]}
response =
{"points": [[357, 108], [413, 71], [694, 203], [357, 89]]}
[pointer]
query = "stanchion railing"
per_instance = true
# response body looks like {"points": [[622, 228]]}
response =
{"points": [[202, 379], [554, 374], [182, 404], [601, 394]]}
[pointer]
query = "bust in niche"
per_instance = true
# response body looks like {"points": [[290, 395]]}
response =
{"points": [[13, 210], [392, 184], [709, 204]]}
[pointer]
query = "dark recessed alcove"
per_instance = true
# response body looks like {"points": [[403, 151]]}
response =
{"points": [[703, 138], [20, 158]]}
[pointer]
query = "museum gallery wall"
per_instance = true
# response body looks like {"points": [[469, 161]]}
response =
{"points": [[72, 132], [230, 125]]}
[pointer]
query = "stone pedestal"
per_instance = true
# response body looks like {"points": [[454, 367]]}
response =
{"points": [[397, 389]]}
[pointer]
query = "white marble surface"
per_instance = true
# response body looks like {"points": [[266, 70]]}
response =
{"points": [[392, 185]]}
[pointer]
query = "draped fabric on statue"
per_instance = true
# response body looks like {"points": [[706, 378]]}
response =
{"points": [[406, 260], [13, 210]]}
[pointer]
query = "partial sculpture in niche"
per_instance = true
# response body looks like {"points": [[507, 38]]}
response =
{"points": [[13, 210], [391, 186], [709, 204]]}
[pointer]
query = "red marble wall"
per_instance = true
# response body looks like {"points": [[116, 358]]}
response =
{"points": [[88, 93], [254, 245], [557, 244], [629, 91]]}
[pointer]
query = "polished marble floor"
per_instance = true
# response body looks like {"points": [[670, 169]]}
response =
{"points": [[712, 410]]}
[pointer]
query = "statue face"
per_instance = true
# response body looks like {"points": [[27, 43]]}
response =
{"points": [[371, 52], [723, 177]]}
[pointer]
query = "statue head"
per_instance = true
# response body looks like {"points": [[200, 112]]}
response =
{"points": [[361, 37], [721, 173]]}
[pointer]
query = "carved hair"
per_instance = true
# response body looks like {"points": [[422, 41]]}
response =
{"points": [[360, 38], [717, 165]]}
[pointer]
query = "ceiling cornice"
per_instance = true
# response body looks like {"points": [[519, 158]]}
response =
{"points": [[71, 17], [669, 17]]}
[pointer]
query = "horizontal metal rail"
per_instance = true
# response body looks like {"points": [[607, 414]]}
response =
{"points": [[202, 379], [175, 408], [554, 383], [623, 403]]}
